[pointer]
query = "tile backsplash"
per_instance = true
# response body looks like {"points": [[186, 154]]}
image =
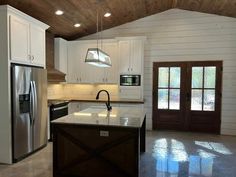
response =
{"points": [[57, 91]]}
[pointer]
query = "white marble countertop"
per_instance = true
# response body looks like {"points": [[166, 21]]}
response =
{"points": [[118, 116]]}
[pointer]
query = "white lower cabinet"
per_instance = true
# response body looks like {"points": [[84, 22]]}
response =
{"points": [[134, 92], [140, 106], [73, 107]]}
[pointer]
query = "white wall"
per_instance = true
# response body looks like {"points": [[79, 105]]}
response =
{"points": [[179, 35]]}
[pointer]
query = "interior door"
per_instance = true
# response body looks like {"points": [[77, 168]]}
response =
{"points": [[187, 96]]}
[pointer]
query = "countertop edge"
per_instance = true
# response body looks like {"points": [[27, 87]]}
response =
{"points": [[98, 101]]}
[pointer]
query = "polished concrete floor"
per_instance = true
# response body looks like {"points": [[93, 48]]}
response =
{"points": [[169, 154]]}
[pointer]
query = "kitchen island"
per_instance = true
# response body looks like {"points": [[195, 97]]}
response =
{"points": [[99, 143]]}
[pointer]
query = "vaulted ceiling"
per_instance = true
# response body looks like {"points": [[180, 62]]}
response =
{"points": [[123, 11]]}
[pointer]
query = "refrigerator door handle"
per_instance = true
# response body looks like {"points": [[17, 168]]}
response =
{"points": [[35, 99], [31, 102]]}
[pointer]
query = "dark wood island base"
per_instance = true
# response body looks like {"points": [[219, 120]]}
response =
{"points": [[97, 151]]}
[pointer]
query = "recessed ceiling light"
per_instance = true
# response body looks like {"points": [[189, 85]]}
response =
{"points": [[108, 14], [77, 25], [59, 12]]}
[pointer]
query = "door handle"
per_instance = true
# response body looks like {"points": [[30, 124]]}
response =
{"points": [[35, 100], [31, 102]]}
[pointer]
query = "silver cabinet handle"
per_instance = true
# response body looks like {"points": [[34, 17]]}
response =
{"points": [[128, 69], [60, 108], [32, 58]]}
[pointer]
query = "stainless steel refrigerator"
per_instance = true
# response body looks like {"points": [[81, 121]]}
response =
{"points": [[29, 105]]}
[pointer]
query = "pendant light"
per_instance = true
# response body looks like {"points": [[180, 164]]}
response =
{"points": [[96, 56]]}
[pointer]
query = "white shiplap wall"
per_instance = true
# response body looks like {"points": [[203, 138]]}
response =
{"points": [[179, 35]]}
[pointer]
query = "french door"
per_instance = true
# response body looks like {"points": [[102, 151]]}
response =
{"points": [[187, 96]]}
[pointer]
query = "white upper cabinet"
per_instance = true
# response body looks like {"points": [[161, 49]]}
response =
{"points": [[87, 72], [73, 66], [27, 39], [19, 39], [81, 72], [61, 54], [124, 56], [111, 73], [37, 43], [131, 56], [136, 57], [78, 71]]}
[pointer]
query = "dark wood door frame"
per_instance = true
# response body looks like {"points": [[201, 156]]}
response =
{"points": [[201, 121]]}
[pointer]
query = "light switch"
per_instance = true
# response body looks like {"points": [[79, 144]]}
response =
{"points": [[104, 133]]}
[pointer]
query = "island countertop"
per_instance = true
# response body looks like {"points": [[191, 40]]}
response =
{"points": [[99, 116]]}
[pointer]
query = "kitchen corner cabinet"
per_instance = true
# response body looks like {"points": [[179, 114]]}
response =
{"points": [[27, 41], [131, 56]]}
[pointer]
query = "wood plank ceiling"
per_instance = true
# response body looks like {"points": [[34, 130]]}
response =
{"points": [[123, 11]]}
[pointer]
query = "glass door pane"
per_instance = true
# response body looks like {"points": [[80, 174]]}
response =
{"points": [[169, 88], [162, 99], [203, 88]]}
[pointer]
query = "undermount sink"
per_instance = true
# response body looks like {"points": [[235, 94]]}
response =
{"points": [[94, 110]]}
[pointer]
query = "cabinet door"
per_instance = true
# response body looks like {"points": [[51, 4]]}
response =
{"points": [[60, 50], [131, 92], [19, 39], [111, 73], [73, 63], [136, 56], [124, 56], [140, 106], [37, 42]]}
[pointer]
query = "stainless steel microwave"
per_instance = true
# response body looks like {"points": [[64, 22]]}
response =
{"points": [[130, 80]]}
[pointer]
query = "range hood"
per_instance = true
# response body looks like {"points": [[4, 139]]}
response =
{"points": [[54, 75]]}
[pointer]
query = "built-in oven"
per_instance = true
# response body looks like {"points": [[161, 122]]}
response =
{"points": [[130, 80], [57, 109]]}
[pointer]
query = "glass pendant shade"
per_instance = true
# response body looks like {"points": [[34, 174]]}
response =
{"points": [[97, 57]]}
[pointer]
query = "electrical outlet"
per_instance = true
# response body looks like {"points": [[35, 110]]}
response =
{"points": [[104, 133]]}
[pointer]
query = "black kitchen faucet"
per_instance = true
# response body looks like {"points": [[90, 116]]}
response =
{"points": [[108, 101]]}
